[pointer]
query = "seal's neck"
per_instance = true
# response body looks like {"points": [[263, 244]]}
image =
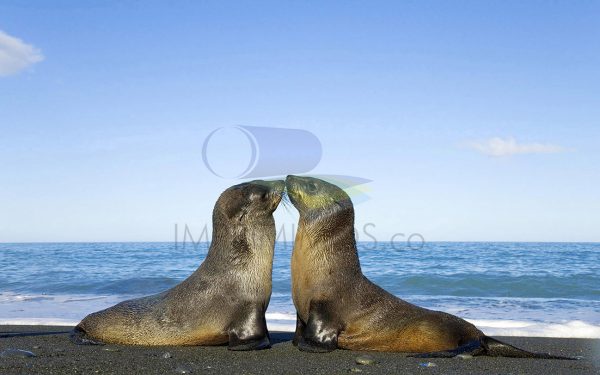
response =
{"points": [[327, 240], [240, 242], [244, 253], [322, 257]]}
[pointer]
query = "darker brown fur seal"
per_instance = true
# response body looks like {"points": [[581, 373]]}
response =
{"points": [[223, 301], [338, 307]]}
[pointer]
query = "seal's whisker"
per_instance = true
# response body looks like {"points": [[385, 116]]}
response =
{"points": [[285, 200]]}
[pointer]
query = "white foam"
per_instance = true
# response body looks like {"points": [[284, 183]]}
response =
{"points": [[29, 309], [281, 327], [571, 329], [280, 316], [280, 321], [38, 322]]}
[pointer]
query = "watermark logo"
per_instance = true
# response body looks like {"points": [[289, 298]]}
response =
{"points": [[249, 152], [241, 152], [286, 234]]}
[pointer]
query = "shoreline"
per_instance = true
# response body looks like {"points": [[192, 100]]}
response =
{"points": [[56, 354], [284, 322]]}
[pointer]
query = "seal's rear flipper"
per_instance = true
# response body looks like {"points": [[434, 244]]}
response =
{"points": [[79, 337], [471, 348], [496, 348], [489, 347]]}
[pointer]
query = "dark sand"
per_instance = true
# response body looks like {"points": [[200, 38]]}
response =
{"points": [[55, 354]]}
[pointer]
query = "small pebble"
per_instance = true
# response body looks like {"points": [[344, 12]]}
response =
{"points": [[427, 364], [355, 370], [464, 356], [365, 360], [17, 353], [166, 355], [183, 369], [36, 347], [111, 349]]}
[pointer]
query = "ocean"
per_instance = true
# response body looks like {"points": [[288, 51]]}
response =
{"points": [[524, 289]]}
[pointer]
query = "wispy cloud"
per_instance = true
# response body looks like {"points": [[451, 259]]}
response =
{"points": [[16, 55], [507, 147]]}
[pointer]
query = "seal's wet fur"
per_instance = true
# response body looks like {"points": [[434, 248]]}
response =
{"points": [[223, 301], [338, 307]]}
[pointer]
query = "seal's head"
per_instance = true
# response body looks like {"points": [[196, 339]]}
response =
{"points": [[243, 222], [317, 199], [250, 201], [325, 239]]}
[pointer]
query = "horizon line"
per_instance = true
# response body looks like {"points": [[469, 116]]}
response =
{"points": [[204, 242]]}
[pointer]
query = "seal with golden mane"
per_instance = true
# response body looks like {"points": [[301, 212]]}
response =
{"points": [[338, 307], [223, 301]]}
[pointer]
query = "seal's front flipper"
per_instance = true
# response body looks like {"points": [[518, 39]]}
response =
{"points": [[249, 330], [321, 331], [300, 326], [80, 337], [252, 343]]}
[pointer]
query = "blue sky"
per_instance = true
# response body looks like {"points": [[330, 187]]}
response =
{"points": [[474, 120]]}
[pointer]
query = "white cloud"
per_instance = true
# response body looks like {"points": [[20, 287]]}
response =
{"points": [[16, 55], [506, 147]]}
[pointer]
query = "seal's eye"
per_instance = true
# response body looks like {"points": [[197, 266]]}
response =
{"points": [[311, 187]]}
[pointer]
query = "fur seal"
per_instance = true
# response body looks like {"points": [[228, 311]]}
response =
{"points": [[338, 307], [223, 301]]}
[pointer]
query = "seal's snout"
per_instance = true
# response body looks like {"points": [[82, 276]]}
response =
{"points": [[270, 191], [297, 184], [293, 183], [289, 180], [292, 188], [277, 190], [278, 187], [274, 188]]}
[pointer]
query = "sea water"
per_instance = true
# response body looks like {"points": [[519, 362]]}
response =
{"points": [[528, 289]]}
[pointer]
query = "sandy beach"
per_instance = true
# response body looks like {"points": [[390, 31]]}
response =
{"points": [[55, 354]]}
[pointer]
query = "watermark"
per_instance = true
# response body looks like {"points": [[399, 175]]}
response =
{"points": [[286, 234], [251, 152], [242, 152], [245, 152], [397, 241]]}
